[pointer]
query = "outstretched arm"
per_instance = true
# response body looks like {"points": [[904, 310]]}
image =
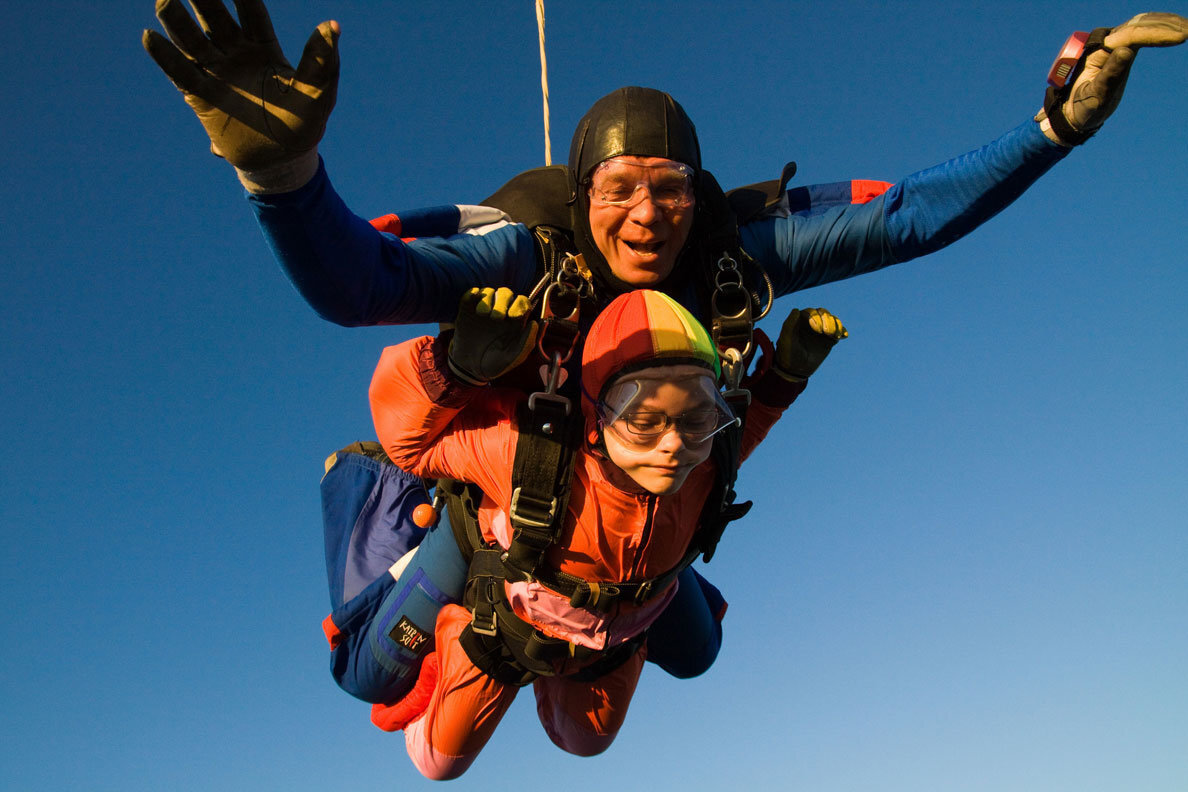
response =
{"points": [[937, 206], [262, 115], [918, 215]]}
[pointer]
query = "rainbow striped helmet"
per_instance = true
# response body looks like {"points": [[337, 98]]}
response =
{"points": [[640, 329]]}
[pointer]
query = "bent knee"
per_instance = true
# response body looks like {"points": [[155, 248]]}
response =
{"points": [[690, 664], [577, 741], [430, 762]]}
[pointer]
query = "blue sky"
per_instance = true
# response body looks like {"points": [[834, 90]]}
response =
{"points": [[966, 568]]}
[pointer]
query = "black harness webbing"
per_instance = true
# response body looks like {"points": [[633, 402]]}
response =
{"points": [[720, 509], [512, 651], [541, 474]]}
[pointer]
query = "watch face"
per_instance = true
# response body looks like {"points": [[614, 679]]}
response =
{"points": [[1067, 60]]}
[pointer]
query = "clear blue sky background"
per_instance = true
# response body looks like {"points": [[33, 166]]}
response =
{"points": [[967, 567]]}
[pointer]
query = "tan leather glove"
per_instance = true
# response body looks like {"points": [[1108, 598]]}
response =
{"points": [[1098, 88], [259, 112]]}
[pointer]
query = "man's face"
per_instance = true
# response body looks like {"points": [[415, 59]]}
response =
{"points": [[639, 217], [681, 400]]}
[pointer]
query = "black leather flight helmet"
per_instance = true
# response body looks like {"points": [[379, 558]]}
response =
{"points": [[633, 121], [640, 122]]}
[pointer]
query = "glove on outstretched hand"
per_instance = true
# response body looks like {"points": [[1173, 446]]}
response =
{"points": [[492, 335], [258, 111], [1098, 89], [805, 341]]}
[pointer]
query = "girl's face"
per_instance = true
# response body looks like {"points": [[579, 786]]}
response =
{"points": [[657, 424]]}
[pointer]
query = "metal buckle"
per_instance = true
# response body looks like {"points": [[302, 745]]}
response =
{"points": [[486, 629], [518, 519], [594, 596], [485, 600], [552, 381]]}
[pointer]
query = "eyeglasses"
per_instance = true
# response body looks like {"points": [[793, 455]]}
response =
{"points": [[646, 427], [618, 183]]}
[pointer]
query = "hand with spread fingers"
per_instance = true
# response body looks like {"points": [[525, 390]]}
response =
{"points": [[261, 114], [1098, 87], [805, 340], [493, 334]]}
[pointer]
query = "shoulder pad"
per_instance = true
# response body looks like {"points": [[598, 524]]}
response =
{"points": [[753, 200], [541, 196]]}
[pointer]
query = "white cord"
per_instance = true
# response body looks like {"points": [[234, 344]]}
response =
{"points": [[544, 79]]}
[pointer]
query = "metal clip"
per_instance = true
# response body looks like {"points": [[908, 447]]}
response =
{"points": [[551, 381], [518, 519], [644, 592], [559, 312], [733, 367], [488, 627], [487, 623], [733, 319]]}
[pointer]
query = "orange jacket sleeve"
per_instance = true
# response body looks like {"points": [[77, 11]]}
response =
{"points": [[434, 426]]}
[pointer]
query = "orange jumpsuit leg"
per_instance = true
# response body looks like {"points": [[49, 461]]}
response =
{"points": [[584, 718], [463, 711]]}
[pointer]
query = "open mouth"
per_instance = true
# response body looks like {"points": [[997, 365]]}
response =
{"points": [[644, 248]]}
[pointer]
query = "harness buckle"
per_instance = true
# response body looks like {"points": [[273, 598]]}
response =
{"points": [[487, 627], [734, 365], [483, 619], [543, 512], [553, 378], [549, 396]]}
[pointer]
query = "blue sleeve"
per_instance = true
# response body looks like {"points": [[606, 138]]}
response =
{"points": [[936, 207], [353, 275], [800, 251], [919, 215]]}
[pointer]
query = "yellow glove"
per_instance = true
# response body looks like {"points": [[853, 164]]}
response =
{"points": [[1098, 88], [805, 341], [258, 111], [492, 335]]}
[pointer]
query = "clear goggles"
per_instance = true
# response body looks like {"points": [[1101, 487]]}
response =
{"points": [[633, 410], [616, 182]]}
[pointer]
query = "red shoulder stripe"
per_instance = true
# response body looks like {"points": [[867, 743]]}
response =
{"points": [[864, 190], [389, 224]]}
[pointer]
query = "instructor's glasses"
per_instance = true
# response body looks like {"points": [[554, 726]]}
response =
{"points": [[619, 183]]}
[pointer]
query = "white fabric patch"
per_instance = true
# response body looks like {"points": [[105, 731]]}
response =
{"points": [[780, 209], [479, 220], [397, 569]]}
